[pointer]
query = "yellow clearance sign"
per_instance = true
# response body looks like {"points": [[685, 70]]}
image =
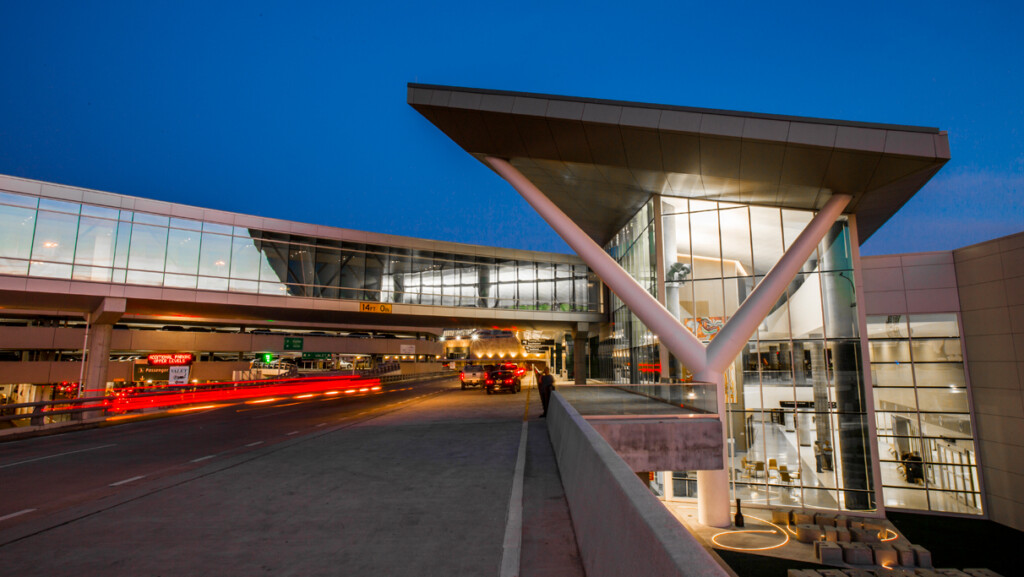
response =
{"points": [[375, 308]]}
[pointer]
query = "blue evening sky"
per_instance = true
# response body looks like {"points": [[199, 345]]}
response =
{"points": [[297, 110]]}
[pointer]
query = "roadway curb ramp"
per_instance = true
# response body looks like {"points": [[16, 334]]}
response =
{"points": [[613, 512]]}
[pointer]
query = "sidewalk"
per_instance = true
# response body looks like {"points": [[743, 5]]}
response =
{"points": [[421, 490]]}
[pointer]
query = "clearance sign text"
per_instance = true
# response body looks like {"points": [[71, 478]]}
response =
{"points": [[375, 308]]}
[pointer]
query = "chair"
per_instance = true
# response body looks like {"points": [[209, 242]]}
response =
{"points": [[748, 467], [758, 468], [787, 476], [773, 465]]}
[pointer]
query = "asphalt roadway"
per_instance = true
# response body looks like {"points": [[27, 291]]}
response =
{"points": [[418, 480]]}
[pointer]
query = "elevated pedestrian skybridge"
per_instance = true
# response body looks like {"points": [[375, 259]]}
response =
{"points": [[69, 248]]}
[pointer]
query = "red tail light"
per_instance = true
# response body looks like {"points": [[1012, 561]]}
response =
{"points": [[490, 382], [462, 376], [508, 381]]}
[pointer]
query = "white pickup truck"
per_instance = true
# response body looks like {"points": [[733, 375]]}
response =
{"points": [[473, 376]]}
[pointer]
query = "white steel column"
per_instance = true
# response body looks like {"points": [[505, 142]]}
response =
{"points": [[670, 331], [737, 332]]}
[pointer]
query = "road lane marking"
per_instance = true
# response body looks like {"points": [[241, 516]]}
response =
{"points": [[292, 433], [201, 459], [53, 456], [13, 515], [513, 544], [127, 481], [276, 414], [254, 444], [321, 424]]}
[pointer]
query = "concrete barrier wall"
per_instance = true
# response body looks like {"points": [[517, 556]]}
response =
{"points": [[621, 527]]}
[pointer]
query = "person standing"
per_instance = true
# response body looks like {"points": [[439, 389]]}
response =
{"points": [[545, 385]]}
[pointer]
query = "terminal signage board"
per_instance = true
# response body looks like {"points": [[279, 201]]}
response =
{"points": [[307, 356], [384, 308], [407, 349], [293, 343], [157, 374], [170, 359]]}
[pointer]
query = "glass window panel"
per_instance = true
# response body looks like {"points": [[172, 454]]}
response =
{"points": [[835, 251], [148, 249], [775, 325], [938, 325], [145, 278], [943, 400], [100, 211], [805, 306], [891, 375], [736, 291], [903, 498], [16, 228], [243, 286], [186, 224], [327, 272], [939, 374], [49, 270], [151, 219], [13, 266], [927, 350], [900, 399], [215, 256], [946, 425], [889, 351], [736, 252], [183, 252], [707, 249], [301, 267], [887, 327], [709, 309], [96, 239], [59, 206], [213, 283], [793, 223], [55, 239], [217, 228], [89, 273], [124, 241], [245, 262], [766, 237], [840, 305], [19, 200], [180, 281], [126, 215], [274, 262], [955, 502], [119, 275]]}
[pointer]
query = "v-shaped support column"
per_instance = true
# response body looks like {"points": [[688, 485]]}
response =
{"points": [[707, 363]]}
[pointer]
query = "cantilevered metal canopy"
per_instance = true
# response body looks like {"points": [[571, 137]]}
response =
{"points": [[600, 160]]}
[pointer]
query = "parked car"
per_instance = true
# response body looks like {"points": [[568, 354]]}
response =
{"points": [[502, 380], [472, 376]]}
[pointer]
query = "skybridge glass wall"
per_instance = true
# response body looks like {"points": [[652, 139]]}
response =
{"points": [[46, 238]]}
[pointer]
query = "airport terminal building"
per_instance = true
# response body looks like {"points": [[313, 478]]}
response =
{"points": [[714, 246]]}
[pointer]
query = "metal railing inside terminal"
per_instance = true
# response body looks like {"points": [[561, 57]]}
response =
{"points": [[46, 238], [687, 400]]}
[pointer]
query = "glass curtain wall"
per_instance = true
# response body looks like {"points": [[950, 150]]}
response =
{"points": [[796, 408], [47, 238], [925, 441], [631, 351]]}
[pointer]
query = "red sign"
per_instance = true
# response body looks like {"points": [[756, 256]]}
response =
{"points": [[171, 359]]}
